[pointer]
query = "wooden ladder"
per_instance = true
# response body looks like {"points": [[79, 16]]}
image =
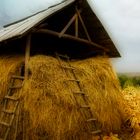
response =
{"points": [[84, 108], [7, 115]]}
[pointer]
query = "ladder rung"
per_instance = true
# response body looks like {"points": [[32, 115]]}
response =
{"points": [[96, 132], [14, 87], [63, 56], [11, 98], [85, 106], [80, 92], [8, 111], [18, 77], [66, 67], [73, 80], [5, 124], [89, 120]]}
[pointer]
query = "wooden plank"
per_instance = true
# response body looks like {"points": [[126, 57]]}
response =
{"points": [[8, 111], [85, 106], [79, 92], [15, 87], [27, 56], [5, 124], [11, 98], [72, 80], [96, 132], [18, 77], [66, 67], [92, 119]]}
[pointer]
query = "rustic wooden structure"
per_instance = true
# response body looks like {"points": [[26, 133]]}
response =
{"points": [[73, 30]]}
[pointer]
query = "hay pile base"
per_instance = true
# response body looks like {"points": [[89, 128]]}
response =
{"points": [[49, 109], [50, 103], [132, 100]]}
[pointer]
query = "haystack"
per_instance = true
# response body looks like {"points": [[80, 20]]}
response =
{"points": [[131, 96], [49, 108]]}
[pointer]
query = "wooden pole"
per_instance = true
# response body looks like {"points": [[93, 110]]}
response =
{"points": [[76, 26], [17, 122], [83, 24], [27, 56], [66, 36], [67, 26]]}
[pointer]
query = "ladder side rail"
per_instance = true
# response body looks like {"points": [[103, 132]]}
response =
{"points": [[9, 97]]}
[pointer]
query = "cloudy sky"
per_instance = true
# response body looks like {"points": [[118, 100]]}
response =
{"points": [[121, 18], [12, 10]]}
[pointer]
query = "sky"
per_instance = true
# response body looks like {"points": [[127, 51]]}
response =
{"points": [[13, 10], [121, 19]]}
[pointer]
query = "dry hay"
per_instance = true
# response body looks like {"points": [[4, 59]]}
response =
{"points": [[132, 100], [8, 66], [49, 107]]}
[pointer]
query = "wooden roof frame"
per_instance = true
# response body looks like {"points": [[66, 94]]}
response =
{"points": [[76, 18], [81, 10]]}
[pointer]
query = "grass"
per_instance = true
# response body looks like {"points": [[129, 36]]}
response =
{"points": [[126, 81]]}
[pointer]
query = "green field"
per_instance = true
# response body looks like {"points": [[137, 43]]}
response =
{"points": [[127, 80]]}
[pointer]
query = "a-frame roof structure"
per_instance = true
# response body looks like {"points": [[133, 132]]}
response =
{"points": [[70, 21]]}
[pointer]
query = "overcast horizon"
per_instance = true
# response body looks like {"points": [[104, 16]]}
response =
{"points": [[120, 18]]}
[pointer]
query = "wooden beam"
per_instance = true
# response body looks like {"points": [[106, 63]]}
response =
{"points": [[83, 24], [43, 25], [66, 36], [68, 25], [76, 26], [27, 56]]}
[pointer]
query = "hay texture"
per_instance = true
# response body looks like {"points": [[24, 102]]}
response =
{"points": [[50, 103], [49, 109], [131, 96], [8, 66]]}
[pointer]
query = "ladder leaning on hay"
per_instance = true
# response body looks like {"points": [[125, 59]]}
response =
{"points": [[10, 106], [84, 109]]}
